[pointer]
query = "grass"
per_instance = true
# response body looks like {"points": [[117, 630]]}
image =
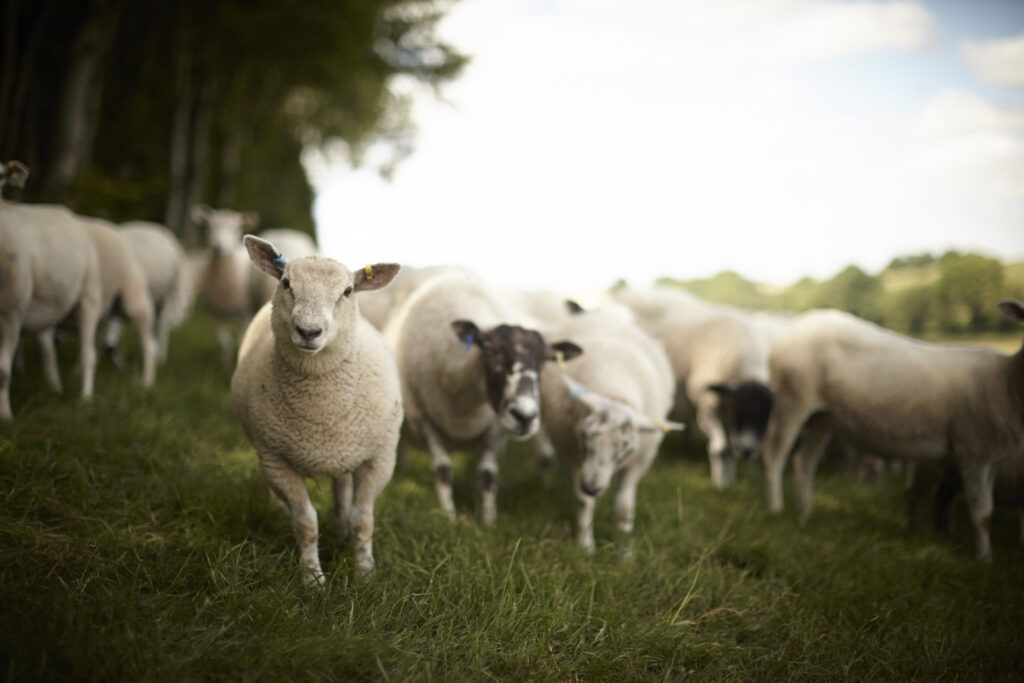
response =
{"points": [[139, 542]]}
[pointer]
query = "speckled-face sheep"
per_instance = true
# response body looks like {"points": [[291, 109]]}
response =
{"points": [[719, 357], [470, 371], [124, 288], [48, 268], [13, 173], [224, 291], [317, 393], [606, 413], [164, 266], [896, 397]]}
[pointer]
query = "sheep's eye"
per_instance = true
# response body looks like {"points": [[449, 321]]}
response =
{"points": [[285, 283], [348, 290]]}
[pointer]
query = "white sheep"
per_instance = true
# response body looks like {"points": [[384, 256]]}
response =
{"points": [[48, 268], [317, 393], [606, 412], [124, 289], [378, 306], [896, 397], [719, 357], [470, 371], [165, 268], [224, 291]]}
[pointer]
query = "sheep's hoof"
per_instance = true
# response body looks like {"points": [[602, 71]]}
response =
{"points": [[365, 573], [315, 579]]}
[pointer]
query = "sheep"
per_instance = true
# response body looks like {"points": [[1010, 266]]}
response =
{"points": [[316, 391], [164, 266], [48, 267], [896, 397], [224, 291], [605, 413], [13, 173], [124, 288], [292, 242], [469, 371], [719, 357], [377, 306]]}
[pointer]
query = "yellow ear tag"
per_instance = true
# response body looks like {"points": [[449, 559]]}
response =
{"points": [[369, 272], [560, 360], [664, 427]]}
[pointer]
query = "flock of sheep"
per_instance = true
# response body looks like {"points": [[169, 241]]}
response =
{"points": [[339, 369]]}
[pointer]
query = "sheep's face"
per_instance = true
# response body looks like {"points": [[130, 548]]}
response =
{"points": [[609, 436], [13, 173], [315, 299], [224, 228], [744, 409], [314, 306], [512, 357]]}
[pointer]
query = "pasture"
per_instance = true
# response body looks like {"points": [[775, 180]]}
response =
{"points": [[139, 542]]}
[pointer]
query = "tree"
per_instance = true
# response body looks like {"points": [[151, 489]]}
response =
{"points": [[968, 288]]}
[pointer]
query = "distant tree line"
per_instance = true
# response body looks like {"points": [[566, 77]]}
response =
{"points": [[135, 110], [920, 294]]}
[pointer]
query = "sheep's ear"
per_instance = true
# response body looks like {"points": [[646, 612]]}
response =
{"points": [[722, 390], [1011, 309], [467, 332], [574, 307], [646, 424], [200, 213], [374, 276], [578, 392], [250, 219], [265, 256], [566, 349], [16, 174]]}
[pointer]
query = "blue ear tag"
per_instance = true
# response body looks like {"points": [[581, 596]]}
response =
{"points": [[576, 392], [468, 341], [280, 260]]}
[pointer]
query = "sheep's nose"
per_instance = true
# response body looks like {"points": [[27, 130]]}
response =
{"points": [[524, 419], [308, 335]]}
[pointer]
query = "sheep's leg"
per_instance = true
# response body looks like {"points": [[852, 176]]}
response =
{"points": [[544, 454], [112, 340], [48, 349], [487, 472], [368, 481], [140, 310], [88, 320], [723, 466], [978, 482], [816, 435], [225, 341], [10, 331], [290, 487], [441, 466], [783, 428], [625, 506], [342, 488], [584, 514]]}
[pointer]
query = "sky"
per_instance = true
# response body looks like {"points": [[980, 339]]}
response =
{"points": [[593, 140]]}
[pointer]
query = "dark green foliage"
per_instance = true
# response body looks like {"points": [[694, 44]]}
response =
{"points": [[139, 542]]}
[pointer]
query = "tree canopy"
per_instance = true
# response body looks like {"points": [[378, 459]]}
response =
{"points": [[136, 110]]}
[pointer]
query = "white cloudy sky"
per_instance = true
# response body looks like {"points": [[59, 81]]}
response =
{"points": [[590, 140]]}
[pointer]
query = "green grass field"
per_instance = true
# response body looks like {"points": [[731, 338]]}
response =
{"points": [[139, 542]]}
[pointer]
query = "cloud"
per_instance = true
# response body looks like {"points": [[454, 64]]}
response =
{"points": [[997, 61]]}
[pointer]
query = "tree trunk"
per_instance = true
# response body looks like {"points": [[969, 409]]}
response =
{"points": [[78, 118], [181, 133]]}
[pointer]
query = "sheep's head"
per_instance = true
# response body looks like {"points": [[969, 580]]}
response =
{"points": [[13, 173], [224, 227], [744, 408], [314, 303], [609, 436], [512, 357]]}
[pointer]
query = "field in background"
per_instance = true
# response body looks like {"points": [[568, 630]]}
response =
{"points": [[138, 541]]}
